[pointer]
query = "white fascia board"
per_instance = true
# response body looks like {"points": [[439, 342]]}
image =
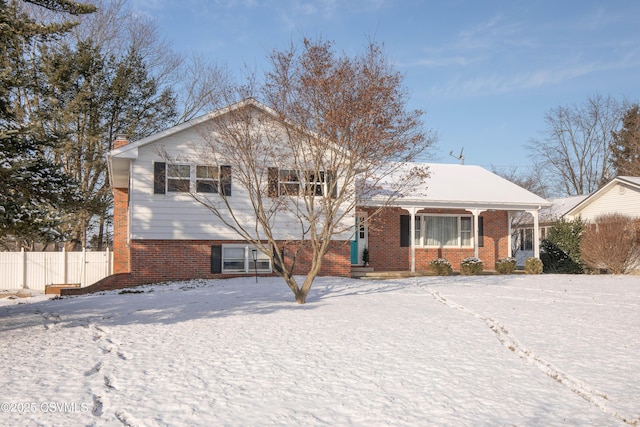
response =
{"points": [[448, 204]]}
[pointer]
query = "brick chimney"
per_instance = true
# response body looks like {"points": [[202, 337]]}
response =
{"points": [[121, 139], [121, 250]]}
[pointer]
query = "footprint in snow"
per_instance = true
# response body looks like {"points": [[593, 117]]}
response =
{"points": [[93, 370]]}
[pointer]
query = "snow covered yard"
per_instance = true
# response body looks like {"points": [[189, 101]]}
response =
{"points": [[483, 350]]}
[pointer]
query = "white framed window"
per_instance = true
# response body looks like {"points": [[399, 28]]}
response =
{"points": [[207, 179], [291, 182], [239, 258], [178, 178], [443, 231], [315, 183]]}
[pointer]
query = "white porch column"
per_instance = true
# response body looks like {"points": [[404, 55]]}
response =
{"points": [[536, 234], [412, 239], [510, 231], [476, 232]]}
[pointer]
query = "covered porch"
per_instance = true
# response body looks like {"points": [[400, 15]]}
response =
{"points": [[460, 211]]}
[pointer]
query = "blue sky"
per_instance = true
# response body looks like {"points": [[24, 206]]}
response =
{"points": [[485, 72]]}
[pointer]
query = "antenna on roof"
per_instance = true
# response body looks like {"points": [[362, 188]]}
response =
{"points": [[459, 157]]}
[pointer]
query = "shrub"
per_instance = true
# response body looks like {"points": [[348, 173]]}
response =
{"points": [[506, 265], [560, 251], [471, 266], [611, 243], [365, 256], [441, 267], [533, 265]]}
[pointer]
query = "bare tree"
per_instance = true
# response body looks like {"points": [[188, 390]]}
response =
{"points": [[611, 242], [331, 119], [574, 155]]}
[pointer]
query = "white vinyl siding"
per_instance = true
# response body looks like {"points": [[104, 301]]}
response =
{"points": [[620, 198], [177, 215]]}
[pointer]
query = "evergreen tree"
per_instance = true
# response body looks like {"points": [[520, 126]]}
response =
{"points": [[90, 98], [625, 147], [560, 251], [34, 189]]}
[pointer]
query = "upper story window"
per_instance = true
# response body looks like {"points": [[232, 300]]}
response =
{"points": [[288, 182], [178, 178], [292, 182], [184, 178], [207, 179]]}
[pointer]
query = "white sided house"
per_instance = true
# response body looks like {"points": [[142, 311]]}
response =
{"points": [[621, 195], [162, 231]]}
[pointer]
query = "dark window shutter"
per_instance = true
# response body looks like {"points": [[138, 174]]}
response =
{"points": [[272, 182], [216, 259], [225, 180], [405, 238], [480, 231], [159, 174]]}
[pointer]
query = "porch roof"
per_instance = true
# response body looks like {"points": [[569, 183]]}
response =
{"points": [[456, 186]]}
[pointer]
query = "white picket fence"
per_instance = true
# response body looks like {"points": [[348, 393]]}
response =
{"points": [[35, 270]]}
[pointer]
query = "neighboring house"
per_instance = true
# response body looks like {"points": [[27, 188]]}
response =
{"points": [[522, 236], [161, 233], [621, 195]]}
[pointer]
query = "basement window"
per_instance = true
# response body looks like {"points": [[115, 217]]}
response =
{"points": [[239, 259]]}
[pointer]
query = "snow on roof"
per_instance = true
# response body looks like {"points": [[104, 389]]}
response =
{"points": [[464, 185], [630, 179], [560, 207]]}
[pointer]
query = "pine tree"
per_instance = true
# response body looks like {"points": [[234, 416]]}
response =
{"points": [[625, 147], [34, 189]]}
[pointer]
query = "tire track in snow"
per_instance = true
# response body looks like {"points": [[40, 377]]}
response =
{"points": [[594, 397]]}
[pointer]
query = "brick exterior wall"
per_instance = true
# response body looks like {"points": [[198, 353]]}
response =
{"points": [[155, 261], [120, 221], [121, 230], [386, 254]]}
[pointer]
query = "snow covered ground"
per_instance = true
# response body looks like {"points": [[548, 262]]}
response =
{"points": [[486, 350]]}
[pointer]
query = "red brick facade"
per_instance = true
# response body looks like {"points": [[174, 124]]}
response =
{"points": [[386, 254], [120, 222], [121, 230], [166, 260]]}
